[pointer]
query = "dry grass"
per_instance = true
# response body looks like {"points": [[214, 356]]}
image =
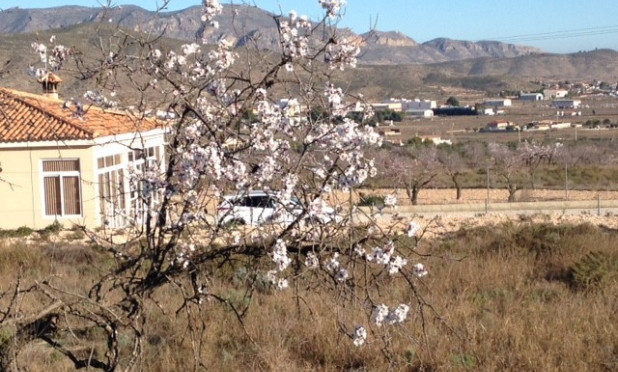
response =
{"points": [[505, 298]]}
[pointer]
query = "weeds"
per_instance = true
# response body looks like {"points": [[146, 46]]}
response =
{"points": [[522, 289]]}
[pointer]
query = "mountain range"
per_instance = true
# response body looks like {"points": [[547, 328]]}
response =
{"points": [[243, 24], [392, 64]]}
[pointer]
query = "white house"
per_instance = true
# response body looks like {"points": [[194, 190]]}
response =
{"points": [[555, 93], [63, 165], [566, 103], [531, 97], [418, 104], [506, 102], [419, 113]]}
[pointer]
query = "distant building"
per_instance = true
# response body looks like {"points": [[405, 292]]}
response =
{"points": [[454, 111], [419, 113], [498, 102], [393, 106], [498, 125], [418, 104], [555, 93], [436, 140], [566, 103], [391, 135], [560, 125], [531, 97], [389, 132]]}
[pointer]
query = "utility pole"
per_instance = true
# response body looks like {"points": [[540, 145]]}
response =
{"points": [[566, 181], [487, 199]]}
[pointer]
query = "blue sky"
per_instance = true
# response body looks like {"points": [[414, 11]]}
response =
{"points": [[555, 26]]}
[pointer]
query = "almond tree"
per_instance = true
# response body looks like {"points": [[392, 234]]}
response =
{"points": [[228, 134], [412, 168], [454, 165], [505, 162], [534, 154]]}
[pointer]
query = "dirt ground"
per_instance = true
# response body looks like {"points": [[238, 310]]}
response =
{"points": [[448, 196], [437, 227]]}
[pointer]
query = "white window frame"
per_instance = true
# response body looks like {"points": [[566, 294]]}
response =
{"points": [[118, 215], [137, 195]]}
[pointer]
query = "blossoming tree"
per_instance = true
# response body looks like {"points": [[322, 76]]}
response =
{"points": [[231, 134]]}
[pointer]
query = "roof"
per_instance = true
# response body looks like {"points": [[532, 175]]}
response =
{"points": [[30, 117]]}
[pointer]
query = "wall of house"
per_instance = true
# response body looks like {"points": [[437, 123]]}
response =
{"points": [[21, 191]]}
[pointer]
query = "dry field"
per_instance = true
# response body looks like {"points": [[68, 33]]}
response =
{"points": [[448, 196], [534, 294], [461, 128], [527, 293]]}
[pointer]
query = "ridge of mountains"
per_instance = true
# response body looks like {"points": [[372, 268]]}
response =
{"points": [[391, 64], [243, 23]]}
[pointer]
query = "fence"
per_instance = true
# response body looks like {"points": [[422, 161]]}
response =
{"points": [[598, 207]]}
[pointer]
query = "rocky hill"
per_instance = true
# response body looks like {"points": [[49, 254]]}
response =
{"points": [[248, 24]]}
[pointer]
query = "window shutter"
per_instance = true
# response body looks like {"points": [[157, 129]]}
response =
{"points": [[53, 204]]}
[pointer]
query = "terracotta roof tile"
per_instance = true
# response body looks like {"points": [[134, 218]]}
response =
{"points": [[29, 117]]}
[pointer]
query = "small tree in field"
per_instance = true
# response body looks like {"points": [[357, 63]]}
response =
{"points": [[411, 168], [452, 101], [179, 260], [534, 154], [506, 162], [454, 166]]}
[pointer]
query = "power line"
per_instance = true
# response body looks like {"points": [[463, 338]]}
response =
{"points": [[562, 34]]}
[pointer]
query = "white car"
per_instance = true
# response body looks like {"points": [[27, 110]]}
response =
{"points": [[260, 207]]}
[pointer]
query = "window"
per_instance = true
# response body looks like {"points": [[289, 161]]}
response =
{"points": [[142, 193], [111, 182], [61, 186]]}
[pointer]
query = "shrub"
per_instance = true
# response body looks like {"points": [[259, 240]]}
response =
{"points": [[592, 271], [371, 200], [18, 233]]}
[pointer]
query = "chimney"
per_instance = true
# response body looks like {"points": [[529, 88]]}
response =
{"points": [[49, 83]]}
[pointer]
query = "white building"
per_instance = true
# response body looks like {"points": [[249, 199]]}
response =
{"points": [[556, 93], [419, 113], [531, 97], [418, 104], [566, 103], [499, 102]]}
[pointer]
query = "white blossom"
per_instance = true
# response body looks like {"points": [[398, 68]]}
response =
{"points": [[398, 315], [419, 270], [396, 264], [390, 200], [311, 261], [332, 7], [279, 255], [211, 9], [342, 275], [379, 314], [282, 284], [413, 228], [188, 49], [360, 336], [342, 53]]}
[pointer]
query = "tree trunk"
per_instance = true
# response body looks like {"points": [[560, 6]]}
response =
{"points": [[532, 180], [414, 196], [512, 192], [457, 186]]}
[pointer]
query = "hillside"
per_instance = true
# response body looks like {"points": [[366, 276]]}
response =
{"points": [[242, 24], [376, 81]]}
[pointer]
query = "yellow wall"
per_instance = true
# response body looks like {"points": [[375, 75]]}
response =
{"points": [[21, 192]]}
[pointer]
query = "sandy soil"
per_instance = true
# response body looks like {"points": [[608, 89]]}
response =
{"points": [[436, 227], [448, 196]]}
